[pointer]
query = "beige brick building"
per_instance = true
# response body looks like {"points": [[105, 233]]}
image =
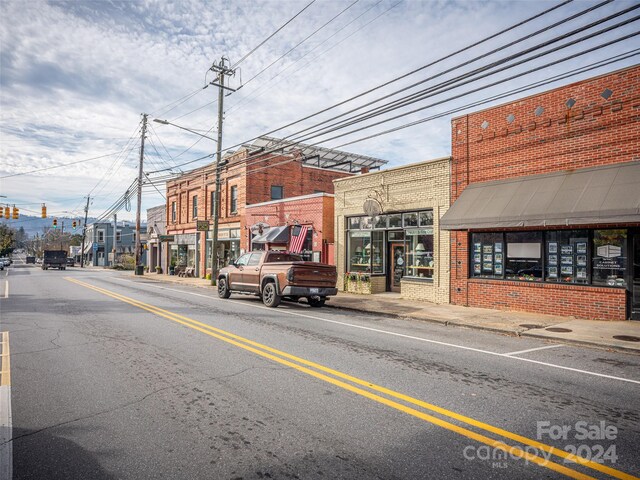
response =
{"points": [[387, 235]]}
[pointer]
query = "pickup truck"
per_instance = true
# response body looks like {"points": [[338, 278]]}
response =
{"points": [[54, 259], [276, 275]]}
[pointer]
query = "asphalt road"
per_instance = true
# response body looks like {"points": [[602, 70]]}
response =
{"points": [[114, 376]]}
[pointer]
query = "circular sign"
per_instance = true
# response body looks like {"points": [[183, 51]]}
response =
{"points": [[371, 207]]}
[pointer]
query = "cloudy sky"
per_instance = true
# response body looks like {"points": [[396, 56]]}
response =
{"points": [[75, 77]]}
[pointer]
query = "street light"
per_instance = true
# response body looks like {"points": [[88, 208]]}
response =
{"points": [[165, 122], [214, 259]]}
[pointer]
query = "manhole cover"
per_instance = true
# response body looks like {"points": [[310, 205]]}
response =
{"points": [[558, 330], [627, 338], [530, 325]]}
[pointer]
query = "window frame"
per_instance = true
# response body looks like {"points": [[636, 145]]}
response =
{"points": [[233, 200], [553, 237], [281, 187], [194, 207]]}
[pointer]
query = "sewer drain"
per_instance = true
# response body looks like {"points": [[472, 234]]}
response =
{"points": [[530, 325], [558, 330], [627, 338]]}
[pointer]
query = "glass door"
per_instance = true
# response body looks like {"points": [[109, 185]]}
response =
{"points": [[397, 258], [635, 275]]}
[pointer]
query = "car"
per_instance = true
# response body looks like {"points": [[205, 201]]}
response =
{"points": [[5, 261], [71, 262], [276, 275]]}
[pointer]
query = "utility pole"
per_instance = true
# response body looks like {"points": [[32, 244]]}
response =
{"points": [[61, 235], [115, 238], [138, 244], [84, 231], [222, 70]]}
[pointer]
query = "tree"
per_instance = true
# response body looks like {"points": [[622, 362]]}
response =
{"points": [[7, 240]]}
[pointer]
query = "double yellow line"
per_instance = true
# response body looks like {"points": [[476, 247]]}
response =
{"points": [[322, 373]]}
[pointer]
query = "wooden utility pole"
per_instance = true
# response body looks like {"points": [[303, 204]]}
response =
{"points": [[84, 232], [138, 243], [222, 70]]}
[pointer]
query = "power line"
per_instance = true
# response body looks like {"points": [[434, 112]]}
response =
{"points": [[59, 166], [297, 45], [261, 90], [272, 35], [467, 62]]}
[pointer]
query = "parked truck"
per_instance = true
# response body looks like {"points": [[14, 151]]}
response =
{"points": [[54, 259], [276, 275]]}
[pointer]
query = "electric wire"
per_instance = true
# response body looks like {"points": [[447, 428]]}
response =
{"points": [[465, 79], [272, 35], [258, 92], [479, 57], [404, 114], [300, 43]]}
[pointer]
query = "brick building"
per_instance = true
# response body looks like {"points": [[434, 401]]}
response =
{"points": [[388, 235], [545, 197], [254, 174], [314, 211]]}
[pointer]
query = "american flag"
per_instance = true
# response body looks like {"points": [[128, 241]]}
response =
{"points": [[297, 242]]}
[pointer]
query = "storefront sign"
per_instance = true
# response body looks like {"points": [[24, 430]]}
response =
{"points": [[360, 234], [166, 238], [419, 231], [186, 239]]}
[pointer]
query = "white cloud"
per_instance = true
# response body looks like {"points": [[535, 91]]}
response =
{"points": [[77, 75]]}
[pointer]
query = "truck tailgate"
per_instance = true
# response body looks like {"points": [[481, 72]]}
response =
{"points": [[314, 274]]}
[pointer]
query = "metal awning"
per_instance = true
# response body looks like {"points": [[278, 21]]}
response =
{"points": [[609, 194], [274, 235], [316, 156]]}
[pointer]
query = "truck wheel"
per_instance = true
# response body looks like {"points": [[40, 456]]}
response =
{"points": [[223, 288], [270, 296], [316, 302]]}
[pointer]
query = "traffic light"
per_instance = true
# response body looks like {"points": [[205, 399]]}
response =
{"points": [[16, 213], [7, 212], [74, 224], [44, 211], [55, 223]]}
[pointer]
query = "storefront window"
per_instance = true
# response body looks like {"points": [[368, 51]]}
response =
{"points": [[377, 252], [410, 219], [583, 257], [487, 255], [524, 256], [566, 256], [191, 256], [395, 220], [380, 221], [609, 257], [359, 251], [419, 245], [425, 218]]}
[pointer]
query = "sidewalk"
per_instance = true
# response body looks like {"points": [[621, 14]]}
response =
{"points": [[558, 329]]}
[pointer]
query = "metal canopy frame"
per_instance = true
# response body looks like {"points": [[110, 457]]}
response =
{"points": [[319, 157]]}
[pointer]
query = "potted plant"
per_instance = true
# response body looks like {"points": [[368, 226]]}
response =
{"points": [[172, 267], [158, 269], [357, 282]]}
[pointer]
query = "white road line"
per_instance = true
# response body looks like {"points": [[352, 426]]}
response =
{"points": [[386, 332], [532, 350], [6, 289]]}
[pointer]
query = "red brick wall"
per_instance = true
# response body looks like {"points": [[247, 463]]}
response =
{"points": [[316, 211], [254, 179], [593, 132], [547, 298]]}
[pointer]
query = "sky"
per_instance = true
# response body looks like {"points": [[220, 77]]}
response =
{"points": [[76, 77]]}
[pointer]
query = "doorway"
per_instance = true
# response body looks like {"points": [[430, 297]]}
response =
{"points": [[396, 256], [635, 274]]}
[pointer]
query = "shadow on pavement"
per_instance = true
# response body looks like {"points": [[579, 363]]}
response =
{"points": [[43, 455]]}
